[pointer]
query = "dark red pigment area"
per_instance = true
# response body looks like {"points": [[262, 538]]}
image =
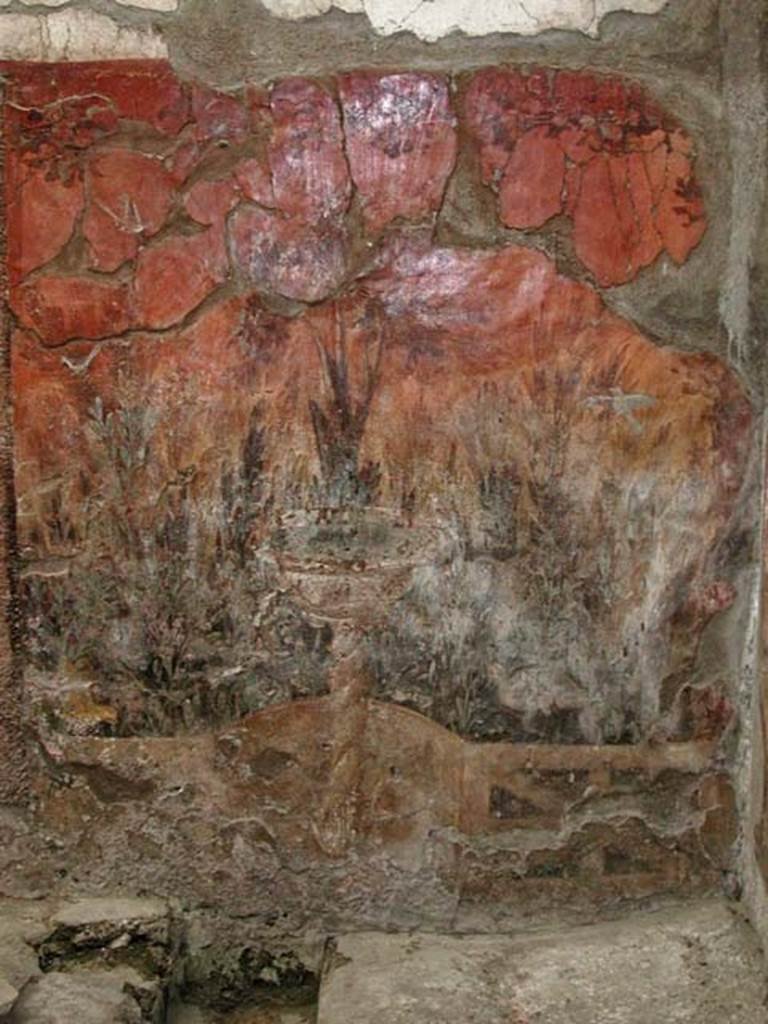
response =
{"points": [[232, 314], [599, 151], [122, 149]]}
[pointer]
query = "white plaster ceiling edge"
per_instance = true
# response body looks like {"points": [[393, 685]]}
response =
{"points": [[431, 20]]}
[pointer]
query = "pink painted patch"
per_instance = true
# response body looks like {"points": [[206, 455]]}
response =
{"points": [[531, 190], [130, 195], [306, 152], [176, 275], [401, 143], [42, 212], [296, 260], [209, 202], [60, 308], [255, 182]]}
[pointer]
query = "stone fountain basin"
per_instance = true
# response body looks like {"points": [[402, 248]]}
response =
{"points": [[351, 564]]}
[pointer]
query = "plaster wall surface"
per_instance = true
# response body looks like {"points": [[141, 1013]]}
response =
{"points": [[75, 34], [122, 29], [432, 21], [438, 18], [702, 61]]}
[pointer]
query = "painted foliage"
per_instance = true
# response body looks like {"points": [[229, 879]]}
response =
{"points": [[274, 439]]}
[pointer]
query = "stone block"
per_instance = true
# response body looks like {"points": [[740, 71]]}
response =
{"points": [[42, 214], [114, 932], [401, 143], [88, 997], [61, 308], [176, 275], [130, 196], [106, 914], [8, 996], [129, 938], [22, 926], [699, 963]]}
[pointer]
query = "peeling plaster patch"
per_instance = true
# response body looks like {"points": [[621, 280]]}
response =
{"points": [[21, 37], [297, 9], [151, 5], [74, 34], [433, 19], [603, 7]]}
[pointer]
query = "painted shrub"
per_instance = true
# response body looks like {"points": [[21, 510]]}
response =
{"points": [[260, 408]]}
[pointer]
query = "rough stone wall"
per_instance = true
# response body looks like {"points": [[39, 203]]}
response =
{"points": [[459, 833]]}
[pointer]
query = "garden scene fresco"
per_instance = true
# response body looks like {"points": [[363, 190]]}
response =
{"points": [[283, 431]]}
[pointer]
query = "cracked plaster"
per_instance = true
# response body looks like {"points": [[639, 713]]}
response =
{"points": [[81, 34], [75, 34], [150, 5], [434, 19]]}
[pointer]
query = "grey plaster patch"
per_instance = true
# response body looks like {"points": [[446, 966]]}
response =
{"points": [[696, 965], [295, 10], [743, 25]]}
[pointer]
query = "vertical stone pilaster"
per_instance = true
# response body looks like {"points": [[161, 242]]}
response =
{"points": [[13, 754], [745, 95]]}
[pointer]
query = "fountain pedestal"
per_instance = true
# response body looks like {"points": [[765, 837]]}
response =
{"points": [[347, 568]]}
